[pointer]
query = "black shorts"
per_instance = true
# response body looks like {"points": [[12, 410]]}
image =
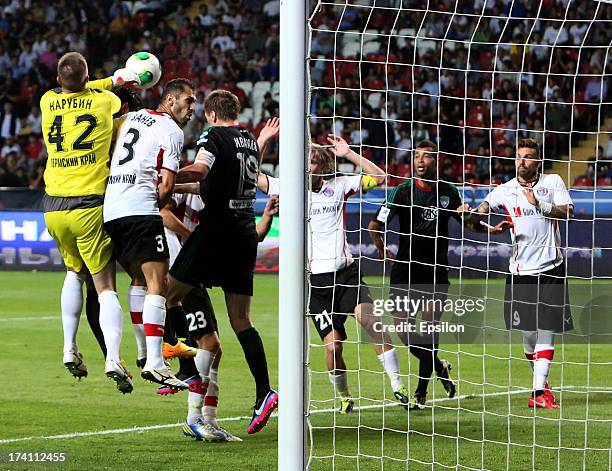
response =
{"points": [[538, 302], [200, 314], [418, 281], [138, 239], [333, 296], [211, 259]]}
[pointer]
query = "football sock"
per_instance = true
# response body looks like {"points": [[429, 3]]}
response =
{"points": [[168, 332], [425, 354], [390, 363], [203, 360], [111, 323], [209, 411], [71, 305], [178, 322], [136, 297], [255, 355], [92, 309], [340, 383], [541, 366], [154, 316], [195, 401], [530, 358]]}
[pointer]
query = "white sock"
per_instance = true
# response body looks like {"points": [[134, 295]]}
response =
{"points": [[340, 384], [543, 356], [111, 323], [71, 305], [529, 342], [136, 297], [390, 363], [154, 318], [194, 407], [203, 360], [209, 411]]}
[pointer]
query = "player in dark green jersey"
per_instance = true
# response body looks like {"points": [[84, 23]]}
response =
{"points": [[424, 206]]}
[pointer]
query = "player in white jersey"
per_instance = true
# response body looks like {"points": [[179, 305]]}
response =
{"points": [[149, 143], [537, 300], [337, 288]]}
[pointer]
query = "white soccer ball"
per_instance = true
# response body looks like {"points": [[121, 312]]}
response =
{"points": [[146, 66]]}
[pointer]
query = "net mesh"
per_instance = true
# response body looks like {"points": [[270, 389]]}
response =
{"points": [[471, 76]]}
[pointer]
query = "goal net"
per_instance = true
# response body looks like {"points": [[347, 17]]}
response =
{"points": [[472, 77]]}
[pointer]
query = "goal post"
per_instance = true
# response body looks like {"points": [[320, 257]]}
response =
{"points": [[291, 298], [470, 77]]}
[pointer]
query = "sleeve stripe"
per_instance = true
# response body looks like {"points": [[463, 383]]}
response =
{"points": [[169, 170]]}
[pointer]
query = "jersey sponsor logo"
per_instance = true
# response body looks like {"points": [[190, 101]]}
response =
{"points": [[328, 192], [518, 211], [429, 214], [122, 178], [241, 204], [74, 161], [444, 201], [324, 209]]}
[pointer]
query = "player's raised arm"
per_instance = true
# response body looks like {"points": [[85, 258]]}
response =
{"points": [[476, 220], [269, 131], [373, 174], [265, 223]]}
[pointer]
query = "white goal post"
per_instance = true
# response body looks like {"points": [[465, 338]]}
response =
{"points": [[430, 53]]}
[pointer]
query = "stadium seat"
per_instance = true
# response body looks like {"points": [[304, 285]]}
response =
{"points": [[374, 99], [424, 45], [351, 49], [371, 47], [370, 35], [346, 168], [246, 86], [246, 115], [262, 87], [603, 181], [583, 181], [276, 91], [267, 168]]}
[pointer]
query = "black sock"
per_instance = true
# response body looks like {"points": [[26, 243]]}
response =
{"points": [[426, 365], [178, 321], [92, 310], [438, 366], [168, 330], [253, 349], [187, 367]]}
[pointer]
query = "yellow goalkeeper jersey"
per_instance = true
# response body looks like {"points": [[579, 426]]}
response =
{"points": [[77, 129]]}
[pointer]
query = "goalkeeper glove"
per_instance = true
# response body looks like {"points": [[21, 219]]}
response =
{"points": [[125, 78]]}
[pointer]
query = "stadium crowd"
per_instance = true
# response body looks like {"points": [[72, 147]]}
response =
{"points": [[385, 89], [382, 92], [217, 47]]}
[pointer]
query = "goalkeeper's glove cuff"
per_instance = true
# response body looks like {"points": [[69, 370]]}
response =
{"points": [[125, 77]]}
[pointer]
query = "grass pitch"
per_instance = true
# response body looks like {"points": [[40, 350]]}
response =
{"points": [[487, 429]]}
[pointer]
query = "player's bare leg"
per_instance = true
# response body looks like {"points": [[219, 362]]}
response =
{"points": [[336, 369], [111, 324], [154, 316], [387, 355], [239, 310]]}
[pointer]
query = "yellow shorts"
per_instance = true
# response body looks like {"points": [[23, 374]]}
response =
{"points": [[81, 238]]}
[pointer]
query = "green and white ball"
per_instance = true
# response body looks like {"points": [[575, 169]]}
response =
{"points": [[146, 66]]}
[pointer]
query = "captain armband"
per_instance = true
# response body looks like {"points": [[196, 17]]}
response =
{"points": [[368, 182]]}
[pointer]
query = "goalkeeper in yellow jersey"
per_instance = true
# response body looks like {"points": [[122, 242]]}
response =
{"points": [[77, 125]]}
